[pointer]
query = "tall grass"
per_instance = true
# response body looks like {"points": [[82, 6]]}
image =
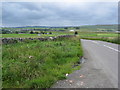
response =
{"points": [[38, 64]]}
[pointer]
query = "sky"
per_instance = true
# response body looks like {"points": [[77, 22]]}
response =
{"points": [[59, 13]]}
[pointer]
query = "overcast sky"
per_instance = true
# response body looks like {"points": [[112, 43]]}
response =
{"points": [[59, 13]]}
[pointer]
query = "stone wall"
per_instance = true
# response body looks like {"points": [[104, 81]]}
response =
{"points": [[15, 40]]}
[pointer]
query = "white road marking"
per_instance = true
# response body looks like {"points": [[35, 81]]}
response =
{"points": [[111, 48], [95, 42], [107, 46]]}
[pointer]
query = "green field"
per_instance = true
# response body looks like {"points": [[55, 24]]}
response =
{"points": [[81, 34], [113, 27], [38, 64], [98, 34], [35, 35], [104, 36], [24, 35]]}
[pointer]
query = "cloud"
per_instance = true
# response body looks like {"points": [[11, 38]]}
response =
{"points": [[58, 13]]}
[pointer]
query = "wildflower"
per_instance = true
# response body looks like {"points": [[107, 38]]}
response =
{"points": [[51, 37], [66, 74], [30, 56]]}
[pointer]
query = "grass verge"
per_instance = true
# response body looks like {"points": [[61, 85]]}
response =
{"points": [[115, 40], [38, 64]]}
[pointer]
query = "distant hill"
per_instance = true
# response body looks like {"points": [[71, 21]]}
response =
{"points": [[100, 27], [113, 27], [41, 27]]}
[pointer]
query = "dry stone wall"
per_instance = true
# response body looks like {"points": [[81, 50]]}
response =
{"points": [[15, 40]]}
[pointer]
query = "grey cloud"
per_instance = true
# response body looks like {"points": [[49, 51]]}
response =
{"points": [[57, 14]]}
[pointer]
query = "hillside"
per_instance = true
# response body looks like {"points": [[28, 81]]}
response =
{"points": [[113, 27], [100, 27]]}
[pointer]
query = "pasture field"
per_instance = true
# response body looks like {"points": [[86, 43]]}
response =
{"points": [[81, 34], [97, 34], [103, 36], [35, 35], [39, 64], [24, 35]]}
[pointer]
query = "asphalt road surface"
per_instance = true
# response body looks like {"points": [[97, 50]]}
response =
{"points": [[99, 70], [105, 56]]}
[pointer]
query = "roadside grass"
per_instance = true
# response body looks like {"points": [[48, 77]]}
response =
{"points": [[38, 64], [103, 36], [115, 40]]}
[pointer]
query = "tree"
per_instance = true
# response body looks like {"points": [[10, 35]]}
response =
{"points": [[16, 32], [31, 32], [66, 28], [6, 31], [36, 33], [42, 32], [76, 32], [50, 32], [77, 27]]}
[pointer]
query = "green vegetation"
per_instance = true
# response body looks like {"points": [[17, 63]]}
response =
{"points": [[24, 35], [115, 40], [35, 35], [103, 36], [82, 34], [89, 28], [38, 64], [97, 34], [99, 28]]}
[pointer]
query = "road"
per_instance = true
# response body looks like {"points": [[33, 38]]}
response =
{"points": [[104, 56], [100, 69]]}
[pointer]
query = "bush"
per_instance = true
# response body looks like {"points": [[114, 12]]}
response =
{"points": [[76, 32], [50, 32], [31, 32]]}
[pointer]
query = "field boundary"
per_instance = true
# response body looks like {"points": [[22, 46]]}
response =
{"points": [[15, 40]]}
